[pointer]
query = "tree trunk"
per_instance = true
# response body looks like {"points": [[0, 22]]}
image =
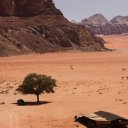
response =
{"points": [[38, 101]]}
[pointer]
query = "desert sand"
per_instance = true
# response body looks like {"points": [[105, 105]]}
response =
{"points": [[87, 82]]}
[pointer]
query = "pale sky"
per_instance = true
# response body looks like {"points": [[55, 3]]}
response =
{"points": [[80, 9]]}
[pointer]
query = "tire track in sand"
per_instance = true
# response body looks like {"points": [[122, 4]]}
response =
{"points": [[13, 121]]}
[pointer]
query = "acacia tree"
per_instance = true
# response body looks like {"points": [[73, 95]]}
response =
{"points": [[37, 84]]}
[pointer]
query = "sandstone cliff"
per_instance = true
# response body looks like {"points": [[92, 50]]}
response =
{"points": [[28, 26], [27, 7]]}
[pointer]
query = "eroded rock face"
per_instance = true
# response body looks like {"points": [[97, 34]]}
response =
{"points": [[43, 28], [27, 7], [7, 7]]}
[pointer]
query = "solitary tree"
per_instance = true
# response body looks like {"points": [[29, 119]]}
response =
{"points": [[37, 84]]}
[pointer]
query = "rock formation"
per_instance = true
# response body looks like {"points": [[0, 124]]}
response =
{"points": [[119, 20], [28, 26], [27, 7], [97, 19], [98, 24]]}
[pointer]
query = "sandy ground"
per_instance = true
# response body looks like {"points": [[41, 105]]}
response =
{"points": [[87, 82]]}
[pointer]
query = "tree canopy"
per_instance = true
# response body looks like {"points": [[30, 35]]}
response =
{"points": [[37, 84]]}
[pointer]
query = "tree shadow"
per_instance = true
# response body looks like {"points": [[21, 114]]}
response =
{"points": [[33, 103]]}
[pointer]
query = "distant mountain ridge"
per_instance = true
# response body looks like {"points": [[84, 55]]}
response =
{"points": [[96, 19], [98, 24], [119, 20]]}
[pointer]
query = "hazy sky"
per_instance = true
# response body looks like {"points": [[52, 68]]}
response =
{"points": [[80, 9]]}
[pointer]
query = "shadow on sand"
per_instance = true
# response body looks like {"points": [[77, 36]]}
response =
{"points": [[33, 103], [85, 123]]}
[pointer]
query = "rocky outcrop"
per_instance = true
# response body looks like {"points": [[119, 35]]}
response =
{"points": [[44, 31], [118, 25], [27, 7]]}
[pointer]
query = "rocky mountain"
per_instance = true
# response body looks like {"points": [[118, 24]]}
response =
{"points": [[97, 19], [98, 24], [119, 20], [28, 26]]}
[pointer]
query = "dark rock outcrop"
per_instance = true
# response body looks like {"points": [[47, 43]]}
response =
{"points": [[27, 7], [26, 27], [97, 24]]}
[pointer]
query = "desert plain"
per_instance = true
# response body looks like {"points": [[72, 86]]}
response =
{"points": [[87, 82]]}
